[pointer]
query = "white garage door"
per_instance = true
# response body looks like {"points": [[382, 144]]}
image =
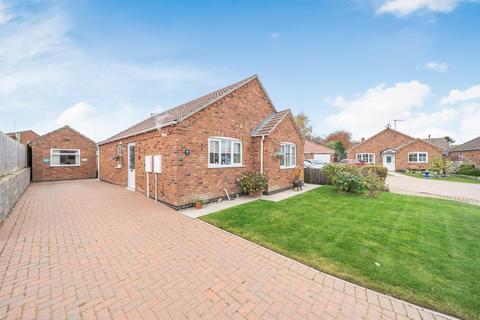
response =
{"points": [[325, 157]]}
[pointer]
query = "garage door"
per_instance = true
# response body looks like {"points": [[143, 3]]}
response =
{"points": [[325, 157]]}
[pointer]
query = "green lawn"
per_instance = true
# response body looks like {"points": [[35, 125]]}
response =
{"points": [[428, 249], [450, 178]]}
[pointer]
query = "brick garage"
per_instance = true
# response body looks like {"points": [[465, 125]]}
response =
{"points": [[184, 135], [318, 151], [63, 154], [403, 151], [24, 137]]}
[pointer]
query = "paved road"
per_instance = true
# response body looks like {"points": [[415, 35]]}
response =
{"points": [[465, 192], [91, 250]]}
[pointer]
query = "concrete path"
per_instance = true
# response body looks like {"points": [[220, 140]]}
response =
{"points": [[91, 250], [465, 192], [224, 204]]}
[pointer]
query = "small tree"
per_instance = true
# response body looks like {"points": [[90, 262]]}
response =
{"points": [[303, 123], [343, 136], [440, 165], [339, 149]]}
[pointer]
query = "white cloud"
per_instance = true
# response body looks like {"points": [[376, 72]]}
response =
{"points": [[4, 15], [456, 96], [372, 110], [97, 124], [436, 66], [275, 35], [406, 7], [369, 112]]}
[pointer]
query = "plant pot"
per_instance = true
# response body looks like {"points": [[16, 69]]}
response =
{"points": [[198, 205], [255, 194]]}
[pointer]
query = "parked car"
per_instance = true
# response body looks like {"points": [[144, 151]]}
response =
{"points": [[353, 162], [317, 164]]}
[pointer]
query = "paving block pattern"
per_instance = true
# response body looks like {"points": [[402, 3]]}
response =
{"points": [[91, 250]]}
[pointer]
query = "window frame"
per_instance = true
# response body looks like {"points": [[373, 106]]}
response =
{"points": [[232, 142], [292, 156], [417, 153], [59, 154], [368, 154], [118, 162]]}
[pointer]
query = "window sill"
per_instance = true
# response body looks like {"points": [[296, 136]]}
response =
{"points": [[118, 167], [64, 165], [226, 167], [287, 168], [418, 162]]}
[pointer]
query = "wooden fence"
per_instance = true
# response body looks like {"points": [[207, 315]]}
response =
{"points": [[13, 155], [315, 176]]}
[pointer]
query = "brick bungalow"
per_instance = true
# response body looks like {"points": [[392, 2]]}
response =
{"points": [[469, 151], [205, 145], [63, 154], [24, 137], [316, 151], [396, 151]]}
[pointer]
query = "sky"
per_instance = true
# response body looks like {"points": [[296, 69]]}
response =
{"points": [[357, 65]]}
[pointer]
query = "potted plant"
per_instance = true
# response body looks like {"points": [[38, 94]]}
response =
{"points": [[253, 183], [199, 203], [278, 154]]}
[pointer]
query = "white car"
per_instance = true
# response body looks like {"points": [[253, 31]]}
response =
{"points": [[317, 164]]}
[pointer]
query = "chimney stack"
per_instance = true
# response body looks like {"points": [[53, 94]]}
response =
{"points": [[363, 139]]}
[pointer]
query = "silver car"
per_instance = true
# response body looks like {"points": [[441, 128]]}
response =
{"points": [[317, 164]]}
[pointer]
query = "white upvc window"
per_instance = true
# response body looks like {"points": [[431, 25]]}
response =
{"points": [[64, 157], [224, 152], [118, 161], [418, 157], [289, 155], [366, 157]]}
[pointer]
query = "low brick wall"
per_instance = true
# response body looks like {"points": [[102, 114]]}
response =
{"points": [[12, 187]]}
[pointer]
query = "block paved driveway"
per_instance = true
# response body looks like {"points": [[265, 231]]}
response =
{"points": [[91, 250], [459, 191]]}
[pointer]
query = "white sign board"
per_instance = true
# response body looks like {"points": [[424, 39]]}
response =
{"points": [[157, 164], [148, 163]]}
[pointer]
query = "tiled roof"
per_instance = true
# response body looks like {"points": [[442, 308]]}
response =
{"points": [[270, 123], [312, 147], [406, 143], [473, 144], [178, 113], [441, 143]]}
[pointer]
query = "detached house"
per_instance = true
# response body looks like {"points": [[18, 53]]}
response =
{"points": [[199, 149], [395, 151], [469, 151]]}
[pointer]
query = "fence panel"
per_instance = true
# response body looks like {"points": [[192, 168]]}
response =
{"points": [[315, 176], [13, 155]]}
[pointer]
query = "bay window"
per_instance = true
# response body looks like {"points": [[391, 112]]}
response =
{"points": [[224, 152]]}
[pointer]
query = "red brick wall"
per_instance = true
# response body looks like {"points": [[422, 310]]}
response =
{"points": [[285, 132], [186, 178], [67, 139], [384, 140], [25, 136], [417, 146], [472, 155]]}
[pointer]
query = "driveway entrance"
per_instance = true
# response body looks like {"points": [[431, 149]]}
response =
{"points": [[91, 250]]}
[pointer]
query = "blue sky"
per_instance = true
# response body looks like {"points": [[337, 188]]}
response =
{"points": [[100, 66]]}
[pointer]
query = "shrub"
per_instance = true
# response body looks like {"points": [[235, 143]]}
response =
{"points": [[378, 170], [440, 165], [345, 178], [468, 170], [373, 183], [251, 182], [328, 170]]}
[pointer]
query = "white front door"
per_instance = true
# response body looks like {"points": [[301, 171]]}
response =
{"points": [[325, 157], [389, 161], [131, 166]]}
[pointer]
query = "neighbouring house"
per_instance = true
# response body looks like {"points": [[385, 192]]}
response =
{"points": [[24, 137], [316, 151], [202, 147], [395, 151], [441, 143], [469, 151], [63, 154]]}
